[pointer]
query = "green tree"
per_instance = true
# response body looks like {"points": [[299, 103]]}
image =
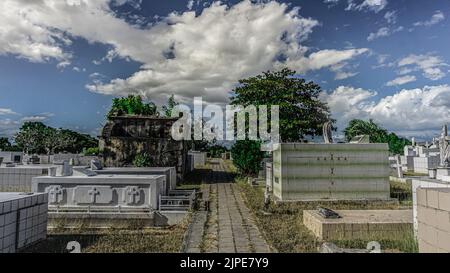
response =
{"points": [[301, 111], [4, 144], [247, 156], [376, 134], [132, 105], [30, 138], [167, 109]]}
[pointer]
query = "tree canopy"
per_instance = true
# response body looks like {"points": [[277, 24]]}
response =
{"points": [[301, 111], [376, 134], [36, 137], [167, 109], [132, 105]]}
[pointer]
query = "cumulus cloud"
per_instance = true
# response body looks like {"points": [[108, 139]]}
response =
{"points": [[184, 53], [6, 111], [430, 65], [402, 112], [401, 80], [437, 17], [383, 32], [372, 5], [8, 127]]}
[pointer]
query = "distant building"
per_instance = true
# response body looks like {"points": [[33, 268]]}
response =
{"points": [[124, 137]]}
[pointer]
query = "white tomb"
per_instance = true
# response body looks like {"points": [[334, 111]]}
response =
{"points": [[23, 220]]}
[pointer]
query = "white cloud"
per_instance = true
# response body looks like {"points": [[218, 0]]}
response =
{"points": [[372, 5], [391, 17], [429, 64], [401, 80], [411, 112], [6, 111], [437, 17], [8, 127], [183, 53], [383, 32]]}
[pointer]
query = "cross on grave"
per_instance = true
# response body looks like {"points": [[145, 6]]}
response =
{"points": [[93, 193], [54, 194], [133, 193]]}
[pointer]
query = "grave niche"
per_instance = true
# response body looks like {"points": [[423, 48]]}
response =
{"points": [[125, 137]]}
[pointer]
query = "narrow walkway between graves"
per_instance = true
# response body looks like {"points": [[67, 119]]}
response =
{"points": [[229, 227]]}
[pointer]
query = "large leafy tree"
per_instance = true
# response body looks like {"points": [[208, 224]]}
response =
{"points": [[376, 134], [132, 105], [36, 137], [301, 111]]}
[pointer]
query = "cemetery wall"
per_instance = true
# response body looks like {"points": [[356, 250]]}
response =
{"points": [[433, 216]]}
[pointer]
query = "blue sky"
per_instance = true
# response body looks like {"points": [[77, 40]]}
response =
{"points": [[61, 62]]}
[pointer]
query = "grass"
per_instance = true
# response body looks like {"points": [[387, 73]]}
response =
{"points": [[284, 229], [139, 240], [402, 192]]}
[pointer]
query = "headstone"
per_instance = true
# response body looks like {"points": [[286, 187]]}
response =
{"points": [[443, 147], [399, 167], [96, 165]]}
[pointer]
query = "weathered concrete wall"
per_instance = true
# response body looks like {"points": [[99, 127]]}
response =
{"points": [[422, 164], [125, 137], [331, 171], [433, 216]]}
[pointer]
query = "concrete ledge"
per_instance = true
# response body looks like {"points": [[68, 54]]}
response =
{"points": [[359, 224]]}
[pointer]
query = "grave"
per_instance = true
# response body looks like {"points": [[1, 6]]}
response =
{"points": [[199, 158], [359, 224], [318, 171], [168, 172], [18, 177], [125, 137], [11, 157], [23, 220], [112, 198], [433, 218]]}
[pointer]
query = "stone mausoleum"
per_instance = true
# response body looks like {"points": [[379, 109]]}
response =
{"points": [[124, 137]]}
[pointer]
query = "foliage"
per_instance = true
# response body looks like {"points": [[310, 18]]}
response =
{"points": [[38, 138], [4, 144], [215, 150], [167, 109], [142, 160], [301, 111], [376, 134], [91, 151], [132, 105], [247, 156]]}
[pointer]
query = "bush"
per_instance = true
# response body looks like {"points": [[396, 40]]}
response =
{"points": [[142, 160], [247, 156], [94, 151]]}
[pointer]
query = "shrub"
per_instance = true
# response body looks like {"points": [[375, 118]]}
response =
{"points": [[142, 160], [93, 151], [247, 156]]}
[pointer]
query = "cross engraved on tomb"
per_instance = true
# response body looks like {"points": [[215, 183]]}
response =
{"points": [[93, 193], [55, 194], [132, 195]]}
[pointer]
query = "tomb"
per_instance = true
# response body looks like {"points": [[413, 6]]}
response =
{"points": [[318, 171], [359, 224], [199, 158], [168, 172], [125, 137], [433, 220], [23, 220], [11, 157], [113, 196], [18, 177]]}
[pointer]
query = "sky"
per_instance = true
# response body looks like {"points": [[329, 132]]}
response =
{"points": [[62, 61]]}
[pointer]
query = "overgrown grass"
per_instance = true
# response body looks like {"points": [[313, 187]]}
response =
{"points": [[284, 229], [402, 192], [153, 240]]}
